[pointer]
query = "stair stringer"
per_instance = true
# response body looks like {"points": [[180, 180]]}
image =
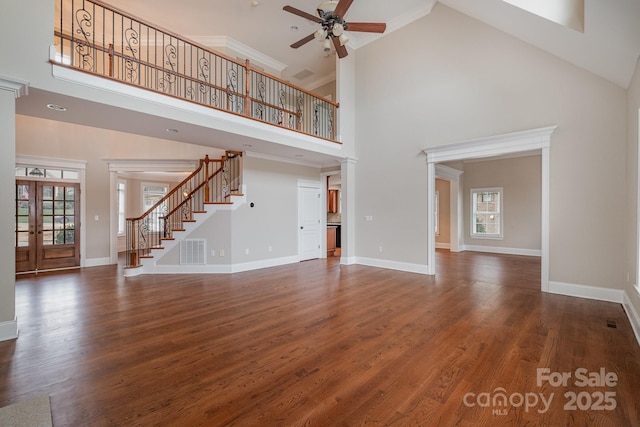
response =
{"points": [[150, 265]]}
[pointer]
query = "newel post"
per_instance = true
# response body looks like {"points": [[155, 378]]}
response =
{"points": [[206, 178]]}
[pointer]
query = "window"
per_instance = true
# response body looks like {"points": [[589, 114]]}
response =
{"points": [[152, 194], [486, 213], [121, 207], [47, 173], [437, 213]]}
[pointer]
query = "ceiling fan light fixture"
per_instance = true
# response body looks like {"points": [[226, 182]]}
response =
{"points": [[343, 39], [320, 35], [326, 45], [338, 29]]}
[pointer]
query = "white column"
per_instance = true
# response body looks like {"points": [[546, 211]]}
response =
{"points": [[10, 89], [348, 236]]}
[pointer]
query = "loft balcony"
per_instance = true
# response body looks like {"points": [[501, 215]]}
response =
{"points": [[95, 38]]}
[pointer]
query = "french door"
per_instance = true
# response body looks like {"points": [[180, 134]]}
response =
{"points": [[47, 232]]}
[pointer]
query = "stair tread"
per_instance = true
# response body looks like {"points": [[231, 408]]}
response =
{"points": [[218, 203]]}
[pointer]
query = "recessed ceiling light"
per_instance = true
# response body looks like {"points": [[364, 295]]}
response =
{"points": [[171, 130], [294, 28], [299, 155], [56, 107], [247, 145]]}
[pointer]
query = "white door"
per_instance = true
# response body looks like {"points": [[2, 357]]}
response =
{"points": [[308, 223]]}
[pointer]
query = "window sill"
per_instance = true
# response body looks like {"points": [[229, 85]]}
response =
{"points": [[487, 237]]}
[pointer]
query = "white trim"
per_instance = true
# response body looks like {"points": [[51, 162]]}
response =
{"points": [[212, 268], [585, 291], [503, 250], [524, 141], [239, 48], [472, 223], [151, 165], [254, 155], [95, 262], [443, 245], [17, 86], [456, 216], [9, 330], [498, 145], [393, 265], [632, 314]]}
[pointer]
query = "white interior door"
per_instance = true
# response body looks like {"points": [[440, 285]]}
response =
{"points": [[308, 222]]}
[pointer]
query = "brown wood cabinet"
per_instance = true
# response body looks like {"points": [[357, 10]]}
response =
{"points": [[331, 240], [332, 201]]}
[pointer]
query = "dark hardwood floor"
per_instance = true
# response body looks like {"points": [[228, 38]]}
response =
{"points": [[317, 343]]}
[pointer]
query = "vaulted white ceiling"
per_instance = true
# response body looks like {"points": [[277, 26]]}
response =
{"points": [[609, 46]]}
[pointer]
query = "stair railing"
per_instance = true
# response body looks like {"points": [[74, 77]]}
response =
{"points": [[96, 38], [213, 182]]}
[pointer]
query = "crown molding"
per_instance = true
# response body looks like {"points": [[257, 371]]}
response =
{"points": [[240, 48], [17, 86]]}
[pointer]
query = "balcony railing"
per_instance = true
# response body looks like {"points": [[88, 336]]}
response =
{"points": [[96, 38]]}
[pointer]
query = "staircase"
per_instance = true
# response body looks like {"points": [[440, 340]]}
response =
{"points": [[215, 185]]}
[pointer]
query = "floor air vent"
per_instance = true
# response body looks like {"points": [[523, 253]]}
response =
{"points": [[612, 324], [192, 252]]}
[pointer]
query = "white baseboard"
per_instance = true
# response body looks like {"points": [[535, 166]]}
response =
{"points": [[96, 262], [266, 263], [393, 265], [633, 316], [443, 245], [348, 260], [501, 250], [212, 268], [9, 330], [589, 292]]}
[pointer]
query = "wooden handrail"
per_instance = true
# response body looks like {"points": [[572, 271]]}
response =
{"points": [[175, 189]]}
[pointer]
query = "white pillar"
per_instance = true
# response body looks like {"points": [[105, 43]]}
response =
{"points": [[348, 230], [10, 89]]}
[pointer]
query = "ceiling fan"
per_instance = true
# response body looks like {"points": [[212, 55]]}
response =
{"points": [[333, 26]]}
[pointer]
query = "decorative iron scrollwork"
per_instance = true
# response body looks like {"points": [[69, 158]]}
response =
{"points": [[259, 111], [83, 47], [169, 78], [131, 65]]}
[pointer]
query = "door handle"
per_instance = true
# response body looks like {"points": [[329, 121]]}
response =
{"points": [[301, 228]]}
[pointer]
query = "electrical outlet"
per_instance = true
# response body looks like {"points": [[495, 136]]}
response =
{"points": [[270, 248], [221, 252], [380, 248], [246, 251], [213, 252]]}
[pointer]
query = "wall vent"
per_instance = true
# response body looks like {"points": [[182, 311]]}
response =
{"points": [[192, 252]]}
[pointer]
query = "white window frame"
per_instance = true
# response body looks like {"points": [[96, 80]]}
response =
{"points": [[476, 235], [121, 201]]}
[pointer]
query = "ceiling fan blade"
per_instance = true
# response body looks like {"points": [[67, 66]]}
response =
{"points": [[301, 13], [303, 41], [340, 50], [367, 27], [342, 7]]}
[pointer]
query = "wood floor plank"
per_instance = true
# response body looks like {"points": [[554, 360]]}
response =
{"points": [[313, 343]]}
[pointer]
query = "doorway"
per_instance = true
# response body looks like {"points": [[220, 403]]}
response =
{"points": [[309, 220], [47, 231]]}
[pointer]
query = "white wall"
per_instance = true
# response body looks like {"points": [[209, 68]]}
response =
{"points": [[447, 78], [521, 182]]}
